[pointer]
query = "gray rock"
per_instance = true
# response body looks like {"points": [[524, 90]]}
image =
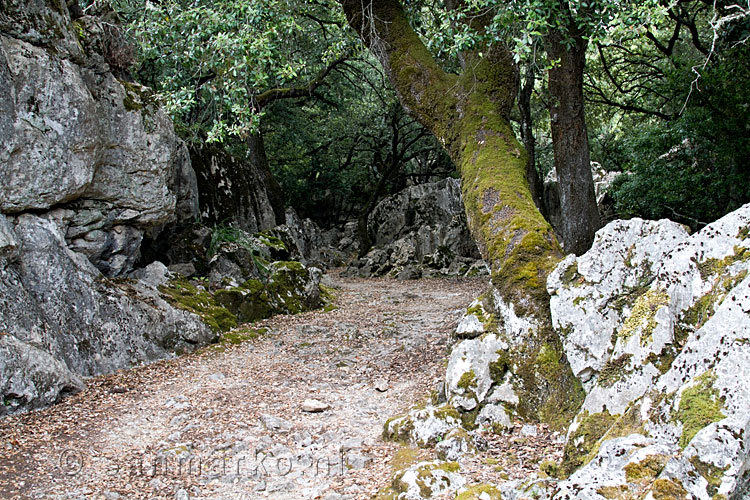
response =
{"points": [[677, 349], [54, 299], [30, 377], [186, 269], [421, 230], [235, 189], [62, 143], [275, 424], [428, 480], [153, 275], [314, 406]]}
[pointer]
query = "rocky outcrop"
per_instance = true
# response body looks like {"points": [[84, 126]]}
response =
{"points": [[420, 231], [666, 398], [96, 154], [89, 165], [60, 318], [237, 191], [655, 324]]}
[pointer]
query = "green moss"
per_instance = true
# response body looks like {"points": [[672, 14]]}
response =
{"points": [[614, 370], [138, 98], [548, 361], [616, 492], [647, 469], [713, 267], [643, 315], [283, 293], [480, 492], [570, 275], [468, 381], [184, 295], [447, 412], [667, 489], [710, 473], [700, 405], [743, 233], [239, 336], [548, 391], [425, 475], [582, 445], [500, 367], [629, 423], [79, 30], [398, 429], [549, 468]]}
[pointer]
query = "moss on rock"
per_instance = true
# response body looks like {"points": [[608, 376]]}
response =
{"points": [[187, 296], [646, 470], [583, 444], [480, 492], [642, 316], [668, 489], [700, 405]]}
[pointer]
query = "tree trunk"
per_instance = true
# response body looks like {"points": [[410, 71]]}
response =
{"points": [[469, 115], [579, 219]]}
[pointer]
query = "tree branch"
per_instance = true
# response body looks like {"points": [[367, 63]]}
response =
{"points": [[295, 92]]}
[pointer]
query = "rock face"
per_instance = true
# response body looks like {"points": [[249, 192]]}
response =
{"points": [[665, 375], [655, 323], [60, 318], [420, 231], [235, 189], [89, 164], [96, 153]]}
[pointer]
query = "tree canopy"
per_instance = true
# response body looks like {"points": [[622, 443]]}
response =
{"points": [[663, 86]]}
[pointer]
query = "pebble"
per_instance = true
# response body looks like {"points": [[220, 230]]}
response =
{"points": [[314, 406], [529, 430], [381, 385], [275, 424]]}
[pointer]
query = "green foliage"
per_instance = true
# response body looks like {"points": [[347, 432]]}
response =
{"points": [[209, 60], [706, 148], [331, 156]]}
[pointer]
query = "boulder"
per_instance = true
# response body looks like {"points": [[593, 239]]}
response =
{"points": [[236, 190], [61, 318], [666, 401], [420, 231]]}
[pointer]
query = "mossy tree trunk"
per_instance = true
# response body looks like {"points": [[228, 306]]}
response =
{"points": [[469, 114]]}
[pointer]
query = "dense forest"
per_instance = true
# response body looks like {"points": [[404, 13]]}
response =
{"points": [[653, 89], [374, 249]]}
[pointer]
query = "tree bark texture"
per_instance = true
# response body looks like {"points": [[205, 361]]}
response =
{"points": [[579, 219]]}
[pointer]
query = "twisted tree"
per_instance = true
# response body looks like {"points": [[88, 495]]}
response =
{"points": [[469, 114]]}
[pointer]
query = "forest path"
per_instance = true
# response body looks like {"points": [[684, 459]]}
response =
{"points": [[227, 421]]}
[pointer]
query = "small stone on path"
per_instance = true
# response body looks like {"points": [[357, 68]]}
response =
{"points": [[381, 385], [314, 406]]}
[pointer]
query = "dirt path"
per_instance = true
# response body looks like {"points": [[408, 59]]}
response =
{"points": [[227, 422]]}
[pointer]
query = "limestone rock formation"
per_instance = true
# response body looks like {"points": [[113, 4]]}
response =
{"points": [[89, 164], [655, 323], [61, 318], [96, 153], [420, 231]]}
